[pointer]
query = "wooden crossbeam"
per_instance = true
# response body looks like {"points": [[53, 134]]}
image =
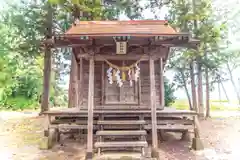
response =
{"points": [[99, 57]]}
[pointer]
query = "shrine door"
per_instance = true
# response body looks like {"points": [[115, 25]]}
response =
{"points": [[125, 94]]}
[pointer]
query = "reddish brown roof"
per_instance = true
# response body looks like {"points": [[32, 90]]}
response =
{"points": [[118, 28]]}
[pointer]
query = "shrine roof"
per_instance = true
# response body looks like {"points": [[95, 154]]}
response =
{"points": [[121, 28]]}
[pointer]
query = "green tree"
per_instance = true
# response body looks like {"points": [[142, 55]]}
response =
{"points": [[169, 89], [184, 16]]}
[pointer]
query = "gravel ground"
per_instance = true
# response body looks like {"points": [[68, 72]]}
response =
{"points": [[21, 134]]}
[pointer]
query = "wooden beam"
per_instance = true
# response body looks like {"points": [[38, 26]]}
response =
{"points": [[80, 83], [153, 104], [162, 99], [120, 57], [90, 108]]}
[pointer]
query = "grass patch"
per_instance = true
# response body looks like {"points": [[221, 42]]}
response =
{"points": [[222, 107], [214, 105], [181, 105]]}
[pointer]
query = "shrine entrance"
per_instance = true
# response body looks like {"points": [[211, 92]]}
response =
{"points": [[122, 82], [121, 95]]}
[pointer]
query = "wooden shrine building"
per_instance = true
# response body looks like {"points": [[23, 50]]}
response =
{"points": [[116, 84]]}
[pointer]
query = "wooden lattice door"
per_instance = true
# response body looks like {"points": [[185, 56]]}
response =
{"points": [[125, 94]]}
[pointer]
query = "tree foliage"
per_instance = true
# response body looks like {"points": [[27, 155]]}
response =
{"points": [[169, 90], [23, 27]]}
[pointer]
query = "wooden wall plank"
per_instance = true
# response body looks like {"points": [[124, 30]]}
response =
{"points": [[103, 84]]}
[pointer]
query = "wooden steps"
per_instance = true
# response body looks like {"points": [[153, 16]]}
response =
{"points": [[122, 122], [170, 127], [122, 133], [121, 144], [130, 133]]}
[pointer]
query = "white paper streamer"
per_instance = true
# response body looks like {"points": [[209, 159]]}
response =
{"points": [[119, 81], [109, 74], [130, 77], [137, 72]]}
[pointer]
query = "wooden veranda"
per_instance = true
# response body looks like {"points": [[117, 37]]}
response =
{"points": [[116, 84]]}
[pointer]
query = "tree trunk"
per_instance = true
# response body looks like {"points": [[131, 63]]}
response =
{"points": [[233, 83], [192, 76], [219, 93], [224, 90], [195, 26], [200, 90], [186, 89], [47, 62], [207, 95]]}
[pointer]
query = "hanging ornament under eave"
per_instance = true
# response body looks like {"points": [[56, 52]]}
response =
{"points": [[119, 81], [109, 75], [123, 73], [137, 73], [114, 75], [130, 77]]}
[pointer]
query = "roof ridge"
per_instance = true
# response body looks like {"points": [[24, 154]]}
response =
{"points": [[124, 22]]}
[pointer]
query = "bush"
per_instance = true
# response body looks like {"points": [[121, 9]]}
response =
{"points": [[20, 103], [169, 92]]}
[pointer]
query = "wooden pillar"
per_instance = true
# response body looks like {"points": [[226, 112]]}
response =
{"points": [[153, 105], [80, 83], [197, 143], [90, 109], [162, 93], [73, 83]]}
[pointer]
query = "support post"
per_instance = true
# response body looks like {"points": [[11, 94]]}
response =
{"points": [[162, 94], [197, 141], [153, 104], [80, 83], [73, 87], [90, 110]]}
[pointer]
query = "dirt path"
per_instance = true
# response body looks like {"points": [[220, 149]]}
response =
{"points": [[20, 137]]}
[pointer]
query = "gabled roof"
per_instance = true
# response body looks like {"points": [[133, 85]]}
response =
{"points": [[121, 28]]}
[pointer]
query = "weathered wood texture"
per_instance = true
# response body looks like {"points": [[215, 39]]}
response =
{"points": [[90, 106], [73, 83], [130, 95], [161, 84], [80, 83], [153, 103]]}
